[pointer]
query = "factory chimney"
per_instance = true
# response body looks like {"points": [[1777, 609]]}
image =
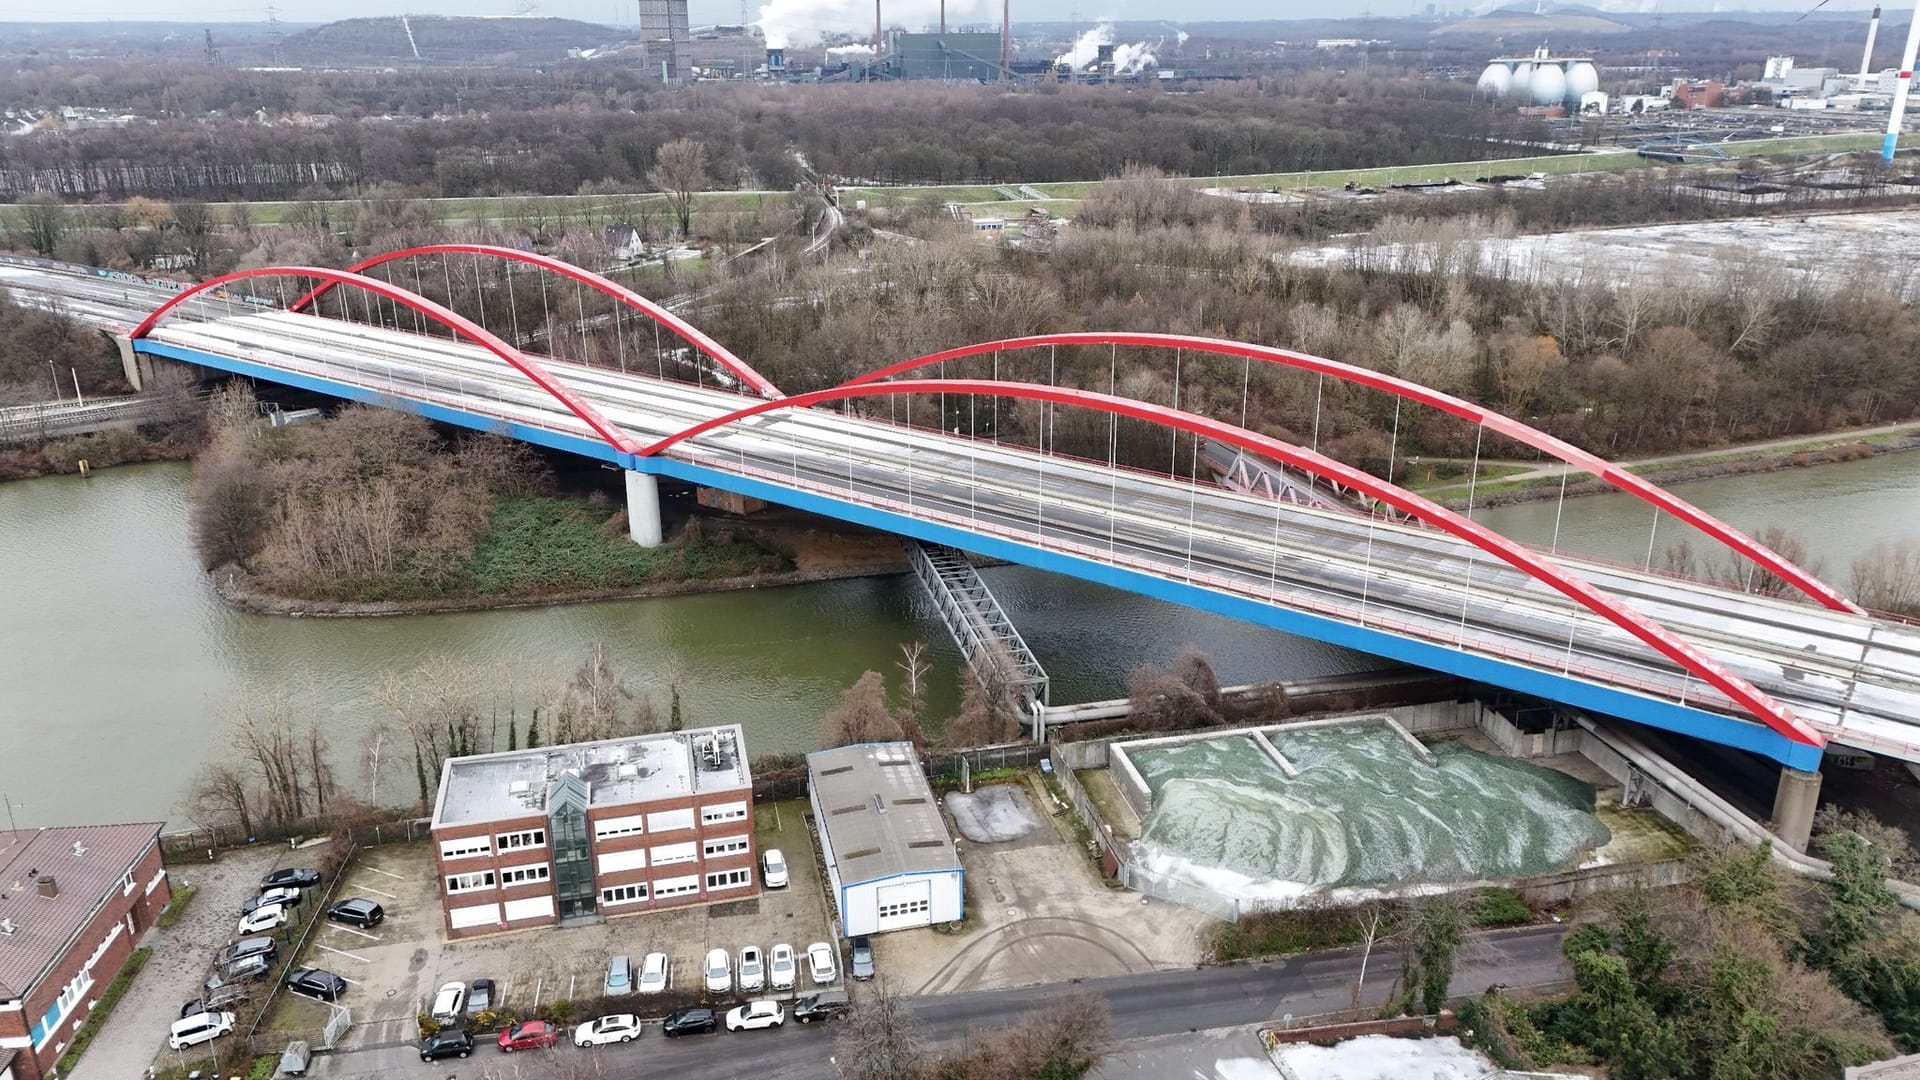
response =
{"points": [[943, 16], [1006, 9]]}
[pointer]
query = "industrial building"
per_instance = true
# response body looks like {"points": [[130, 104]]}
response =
{"points": [[72, 903], [1540, 80], [890, 863], [534, 837], [970, 57], [665, 41]]}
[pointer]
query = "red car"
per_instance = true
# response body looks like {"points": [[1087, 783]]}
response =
{"points": [[529, 1035]]}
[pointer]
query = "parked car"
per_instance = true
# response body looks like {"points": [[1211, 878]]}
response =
{"points": [[244, 970], [316, 983], [198, 1028], [214, 1000], [821, 963], [618, 1028], [619, 976], [694, 1019], [773, 868], [287, 898], [529, 1035], [449, 1002], [656, 973], [479, 997], [782, 967], [359, 911], [753, 970], [263, 919], [293, 877], [826, 1004], [245, 947], [755, 1015], [861, 966], [449, 1043], [295, 1058], [718, 972]]}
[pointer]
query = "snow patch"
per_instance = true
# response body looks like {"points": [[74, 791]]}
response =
{"points": [[1381, 1057]]}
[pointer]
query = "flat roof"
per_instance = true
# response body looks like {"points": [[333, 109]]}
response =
{"points": [[86, 863], [876, 812], [635, 769]]}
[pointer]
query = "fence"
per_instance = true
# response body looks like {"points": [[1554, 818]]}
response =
{"points": [[314, 920], [1007, 756], [198, 841]]}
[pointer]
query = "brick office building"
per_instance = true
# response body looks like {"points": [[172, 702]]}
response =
{"points": [[532, 837], [73, 901]]}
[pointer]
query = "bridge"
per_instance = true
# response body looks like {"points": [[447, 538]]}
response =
{"points": [[1405, 579]]}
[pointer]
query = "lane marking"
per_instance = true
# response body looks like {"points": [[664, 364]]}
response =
{"points": [[351, 930], [377, 870], [377, 892], [342, 952]]}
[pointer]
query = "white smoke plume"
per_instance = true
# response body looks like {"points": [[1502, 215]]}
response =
{"points": [[1128, 59], [794, 23], [1180, 37]]}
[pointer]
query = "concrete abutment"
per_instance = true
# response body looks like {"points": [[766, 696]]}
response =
{"points": [[1794, 802]]}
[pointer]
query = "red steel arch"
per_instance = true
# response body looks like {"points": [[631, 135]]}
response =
{"points": [[1620, 478], [453, 320], [717, 352], [1759, 704]]}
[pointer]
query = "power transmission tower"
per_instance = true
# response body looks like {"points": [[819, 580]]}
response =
{"points": [[273, 34], [213, 54]]}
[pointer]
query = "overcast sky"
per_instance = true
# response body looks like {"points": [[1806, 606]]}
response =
{"points": [[708, 11]]}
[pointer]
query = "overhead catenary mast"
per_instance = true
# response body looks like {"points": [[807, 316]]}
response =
{"points": [[1903, 84]]}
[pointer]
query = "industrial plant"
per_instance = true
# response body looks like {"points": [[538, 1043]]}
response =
{"points": [[1561, 85]]}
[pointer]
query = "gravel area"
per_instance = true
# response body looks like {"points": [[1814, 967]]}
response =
{"points": [[994, 814], [137, 1031]]}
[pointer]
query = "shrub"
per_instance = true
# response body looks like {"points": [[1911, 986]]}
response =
{"points": [[177, 907], [1501, 907]]}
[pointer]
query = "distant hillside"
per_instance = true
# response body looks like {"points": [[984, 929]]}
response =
{"points": [[1527, 25], [441, 39]]}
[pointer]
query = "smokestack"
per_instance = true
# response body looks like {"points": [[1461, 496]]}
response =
{"points": [[876, 31], [943, 16], [1866, 58], [1006, 28]]}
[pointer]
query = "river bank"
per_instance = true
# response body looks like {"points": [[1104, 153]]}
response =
{"points": [[816, 555], [1707, 465]]}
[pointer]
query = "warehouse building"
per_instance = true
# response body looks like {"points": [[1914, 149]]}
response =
{"points": [[619, 827], [890, 863]]}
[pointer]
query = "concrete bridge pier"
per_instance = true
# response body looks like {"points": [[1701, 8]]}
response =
{"points": [[131, 365], [1794, 802], [643, 509]]}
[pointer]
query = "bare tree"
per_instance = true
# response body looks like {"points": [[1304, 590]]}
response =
{"points": [[218, 795], [914, 666], [862, 715], [680, 169], [984, 718], [372, 749], [880, 1039], [42, 221], [593, 698], [1373, 918], [1887, 577]]}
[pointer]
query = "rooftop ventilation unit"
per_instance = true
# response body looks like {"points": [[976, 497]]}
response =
{"points": [[7, 927], [79, 849]]}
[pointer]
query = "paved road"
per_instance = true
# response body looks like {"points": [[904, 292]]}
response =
{"points": [[1144, 1006]]}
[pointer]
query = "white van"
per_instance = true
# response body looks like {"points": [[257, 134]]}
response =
{"points": [[198, 1028]]}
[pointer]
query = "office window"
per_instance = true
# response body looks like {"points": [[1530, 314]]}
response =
{"points": [[459, 883], [530, 838], [522, 875], [676, 886], [630, 825], [670, 820], [729, 879], [725, 845], [616, 895], [466, 847], [720, 812]]}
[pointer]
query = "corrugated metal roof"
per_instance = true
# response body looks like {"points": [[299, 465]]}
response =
{"points": [[877, 814], [86, 862]]}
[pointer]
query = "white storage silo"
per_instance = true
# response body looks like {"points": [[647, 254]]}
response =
{"points": [[1495, 82], [1548, 85], [1582, 79], [1519, 88]]}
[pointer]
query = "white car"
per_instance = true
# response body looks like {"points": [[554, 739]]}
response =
{"points": [[718, 972], [756, 1014], [199, 1028], [821, 963], [655, 973], [773, 868], [263, 919], [753, 970], [618, 1028], [449, 1002], [781, 967]]}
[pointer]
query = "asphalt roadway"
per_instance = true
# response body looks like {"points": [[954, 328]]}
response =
{"points": [[1143, 1006]]}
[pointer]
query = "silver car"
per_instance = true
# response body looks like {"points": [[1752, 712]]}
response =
{"points": [[753, 970]]}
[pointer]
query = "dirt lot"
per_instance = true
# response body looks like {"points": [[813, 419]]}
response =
{"points": [[396, 967], [1037, 911]]}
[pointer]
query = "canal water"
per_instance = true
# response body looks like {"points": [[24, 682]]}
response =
{"points": [[119, 666]]}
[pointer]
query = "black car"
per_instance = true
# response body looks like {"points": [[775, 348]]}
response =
{"points": [[293, 877], [696, 1019], [245, 947], [446, 1044], [479, 996], [316, 983], [359, 911], [824, 1005]]}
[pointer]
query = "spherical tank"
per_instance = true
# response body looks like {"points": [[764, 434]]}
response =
{"points": [[1495, 81], [1522, 76], [1549, 84], [1582, 78]]}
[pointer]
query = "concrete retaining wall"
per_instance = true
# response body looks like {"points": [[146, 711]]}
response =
{"points": [[1438, 716], [1544, 890]]}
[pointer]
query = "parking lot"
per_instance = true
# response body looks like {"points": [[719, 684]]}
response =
{"points": [[394, 968]]}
